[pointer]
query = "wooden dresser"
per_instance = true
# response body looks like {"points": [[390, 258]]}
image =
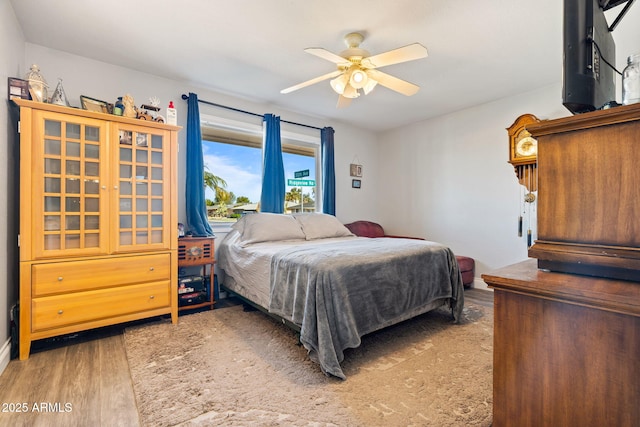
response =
{"points": [[566, 349], [98, 215], [588, 204]]}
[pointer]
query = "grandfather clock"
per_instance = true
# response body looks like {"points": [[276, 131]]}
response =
{"points": [[523, 152]]}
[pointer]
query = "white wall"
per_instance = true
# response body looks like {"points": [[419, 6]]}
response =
{"points": [[12, 53]]}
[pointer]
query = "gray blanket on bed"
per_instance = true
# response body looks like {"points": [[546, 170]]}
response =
{"points": [[339, 292]]}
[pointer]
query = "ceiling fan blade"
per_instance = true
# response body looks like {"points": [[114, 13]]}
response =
{"points": [[393, 83], [312, 81], [343, 102], [329, 56], [396, 56]]}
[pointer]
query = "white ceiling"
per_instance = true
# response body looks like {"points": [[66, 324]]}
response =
{"points": [[479, 51]]}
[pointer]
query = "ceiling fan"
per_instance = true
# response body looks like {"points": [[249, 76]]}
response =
{"points": [[358, 71]]}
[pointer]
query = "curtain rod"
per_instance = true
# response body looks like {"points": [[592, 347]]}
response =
{"points": [[185, 97]]}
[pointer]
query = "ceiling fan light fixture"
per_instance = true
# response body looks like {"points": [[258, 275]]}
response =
{"points": [[358, 79], [338, 84], [350, 92], [368, 87]]}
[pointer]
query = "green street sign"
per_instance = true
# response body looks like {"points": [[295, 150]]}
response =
{"points": [[301, 182], [301, 174]]}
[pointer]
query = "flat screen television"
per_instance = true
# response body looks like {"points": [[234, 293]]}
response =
{"points": [[588, 81]]}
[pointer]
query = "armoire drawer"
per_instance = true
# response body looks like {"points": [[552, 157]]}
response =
{"points": [[74, 276], [61, 310]]}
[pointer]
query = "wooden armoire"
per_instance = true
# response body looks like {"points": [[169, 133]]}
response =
{"points": [[98, 220]]}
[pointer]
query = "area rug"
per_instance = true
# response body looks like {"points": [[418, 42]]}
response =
{"points": [[236, 368]]}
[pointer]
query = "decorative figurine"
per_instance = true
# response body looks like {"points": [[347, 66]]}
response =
{"points": [[129, 107], [150, 111], [154, 101], [59, 97]]}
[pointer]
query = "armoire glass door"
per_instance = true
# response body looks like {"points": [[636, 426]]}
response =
{"points": [[142, 185], [69, 174]]}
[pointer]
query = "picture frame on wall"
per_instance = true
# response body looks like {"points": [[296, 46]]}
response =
{"points": [[356, 183], [355, 170], [92, 104]]}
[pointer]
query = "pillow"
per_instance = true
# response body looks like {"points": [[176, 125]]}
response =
{"points": [[321, 226], [268, 227]]}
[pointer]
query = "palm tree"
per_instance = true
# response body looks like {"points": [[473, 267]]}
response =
{"points": [[218, 185], [224, 196], [294, 195], [213, 182]]}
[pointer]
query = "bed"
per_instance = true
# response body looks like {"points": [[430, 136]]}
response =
{"points": [[332, 286]]}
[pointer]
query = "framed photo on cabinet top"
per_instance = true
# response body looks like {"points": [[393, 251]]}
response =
{"points": [[18, 88], [94, 104]]}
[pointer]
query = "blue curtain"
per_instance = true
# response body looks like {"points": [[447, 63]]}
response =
{"points": [[328, 171], [273, 185], [197, 222]]}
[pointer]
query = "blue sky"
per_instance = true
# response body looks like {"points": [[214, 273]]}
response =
{"points": [[241, 168]]}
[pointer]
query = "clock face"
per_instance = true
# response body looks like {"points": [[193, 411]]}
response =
{"points": [[523, 148], [526, 147]]}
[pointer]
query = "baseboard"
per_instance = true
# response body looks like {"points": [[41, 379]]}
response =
{"points": [[478, 283], [5, 355]]}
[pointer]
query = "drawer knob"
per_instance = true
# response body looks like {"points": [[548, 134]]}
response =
{"points": [[60, 279], [152, 269], [152, 297], [60, 311]]}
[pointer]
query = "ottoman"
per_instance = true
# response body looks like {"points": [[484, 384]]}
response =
{"points": [[467, 268]]}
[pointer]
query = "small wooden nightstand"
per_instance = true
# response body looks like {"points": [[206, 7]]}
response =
{"points": [[198, 252]]}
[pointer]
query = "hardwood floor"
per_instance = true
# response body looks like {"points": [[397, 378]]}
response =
{"points": [[84, 383], [482, 297], [84, 380]]}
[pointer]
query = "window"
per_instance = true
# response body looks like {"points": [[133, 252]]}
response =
{"points": [[233, 165]]}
